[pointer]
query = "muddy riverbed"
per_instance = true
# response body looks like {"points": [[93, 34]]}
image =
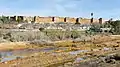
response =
{"points": [[65, 54]]}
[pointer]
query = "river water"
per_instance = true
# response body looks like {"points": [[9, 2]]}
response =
{"points": [[12, 55]]}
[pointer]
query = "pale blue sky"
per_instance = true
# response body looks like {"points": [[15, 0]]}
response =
{"points": [[72, 8]]}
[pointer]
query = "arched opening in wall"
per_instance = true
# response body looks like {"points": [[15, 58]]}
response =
{"points": [[53, 19], [65, 19], [100, 21], [77, 21], [91, 20], [34, 18]]}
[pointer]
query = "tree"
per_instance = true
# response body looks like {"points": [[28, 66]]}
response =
{"points": [[95, 28], [106, 25], [4, 19], [19, 20], [115, 27]]}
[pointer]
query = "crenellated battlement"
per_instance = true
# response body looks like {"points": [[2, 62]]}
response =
{"points": [[50, 19]]}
